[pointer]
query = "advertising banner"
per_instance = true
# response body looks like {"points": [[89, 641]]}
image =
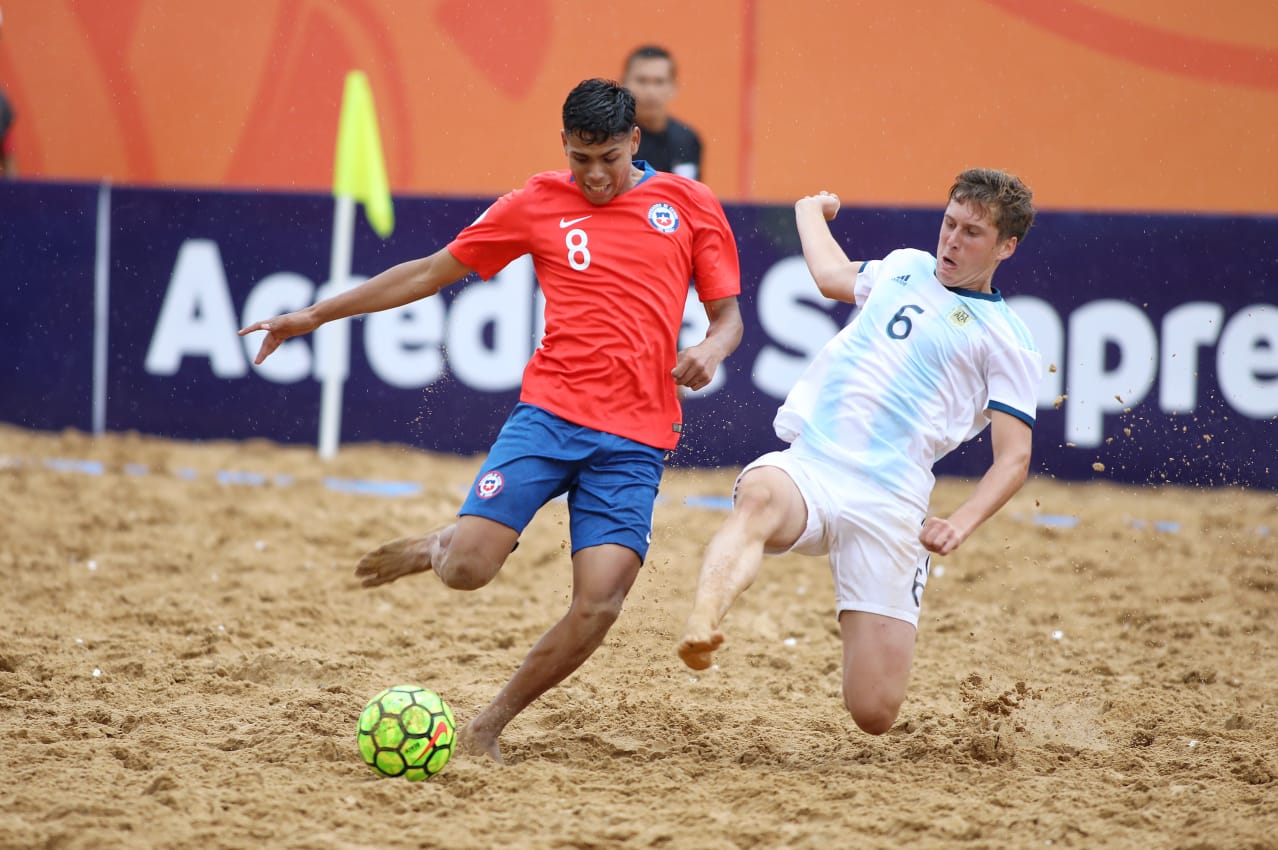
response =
{"points": [[1159, 333], [47, 251]]}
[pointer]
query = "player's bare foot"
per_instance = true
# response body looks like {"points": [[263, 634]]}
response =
{"points": [[473, 739], [400, 558], [698, 645]]}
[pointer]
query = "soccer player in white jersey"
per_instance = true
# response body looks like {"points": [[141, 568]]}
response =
{"points": [[933, 356]]}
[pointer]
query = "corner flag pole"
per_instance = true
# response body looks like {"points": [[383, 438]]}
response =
{"points": [[359, 174]]}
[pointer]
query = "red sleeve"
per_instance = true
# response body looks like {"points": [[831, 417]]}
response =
{"points": [[499, 235], [716, 269]]}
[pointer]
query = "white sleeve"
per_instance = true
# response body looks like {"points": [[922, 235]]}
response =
{"points": [[1013, 376], [865, 280]]}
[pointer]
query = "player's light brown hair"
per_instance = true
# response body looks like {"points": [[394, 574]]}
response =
{"points": [[1000, 194]]}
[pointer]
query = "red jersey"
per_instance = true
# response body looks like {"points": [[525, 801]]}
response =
{"points": [[615, 278]]}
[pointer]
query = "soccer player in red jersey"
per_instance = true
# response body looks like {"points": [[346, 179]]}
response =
{"points": [[614, 244]]}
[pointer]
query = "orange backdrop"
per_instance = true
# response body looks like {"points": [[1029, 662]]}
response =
{"points": [[1099, 104]]}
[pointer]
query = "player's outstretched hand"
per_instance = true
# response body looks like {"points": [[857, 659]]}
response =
{"points": [[940, 536], [695, 367], [279, 329], [826, 202]]}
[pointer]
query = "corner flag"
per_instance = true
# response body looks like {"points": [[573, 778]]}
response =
{"points": [[359, 174], [360, 170]]}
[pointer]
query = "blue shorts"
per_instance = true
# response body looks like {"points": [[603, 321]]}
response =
{"points": [[611, 481]]}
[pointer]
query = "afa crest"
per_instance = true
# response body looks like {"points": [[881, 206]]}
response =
{"points": [[960, 317], [663, 217]]}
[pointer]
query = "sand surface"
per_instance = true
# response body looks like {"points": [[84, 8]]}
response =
{"points": [[183, 658]]}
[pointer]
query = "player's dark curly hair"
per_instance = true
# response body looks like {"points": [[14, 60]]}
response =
{"points": [[597, 111], [1011, 200]]}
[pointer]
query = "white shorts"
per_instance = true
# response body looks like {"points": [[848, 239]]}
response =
{"points": [[871, 535]]}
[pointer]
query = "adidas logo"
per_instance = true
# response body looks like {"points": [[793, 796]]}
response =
{"points": [[902, 279]]}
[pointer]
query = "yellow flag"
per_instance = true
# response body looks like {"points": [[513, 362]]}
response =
{"points": [[360, 170]]}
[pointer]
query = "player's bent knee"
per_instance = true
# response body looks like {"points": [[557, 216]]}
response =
{"points": [[756, 511], [463, 578], [768, 507], [461, 571], [873, 714], [875, 723], [753, 498], [600, 613]]}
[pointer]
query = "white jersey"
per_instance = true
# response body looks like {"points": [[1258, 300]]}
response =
{"points": [[912, 376]]}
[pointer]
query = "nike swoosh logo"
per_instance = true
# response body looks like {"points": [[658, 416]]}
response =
{"points": [[563, 222]]}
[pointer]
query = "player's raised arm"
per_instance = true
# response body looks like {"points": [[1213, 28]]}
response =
{"points": [[696, 365], [1011, 443], [394, 287], [834, 273]]}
